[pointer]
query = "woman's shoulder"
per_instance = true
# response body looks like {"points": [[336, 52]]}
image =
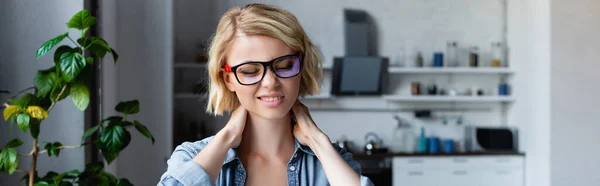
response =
{"points": [[194, 147]]}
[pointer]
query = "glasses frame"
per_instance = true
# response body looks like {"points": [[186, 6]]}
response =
{"points": [[265, 65]]}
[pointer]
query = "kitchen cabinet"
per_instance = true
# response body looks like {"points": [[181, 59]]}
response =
{"points": [[493, 170]]}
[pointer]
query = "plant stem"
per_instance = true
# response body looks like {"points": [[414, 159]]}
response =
{"points": [[34, 154], [59, 94], [75, 42], [22, 171], [29, 88], [61, 147]]}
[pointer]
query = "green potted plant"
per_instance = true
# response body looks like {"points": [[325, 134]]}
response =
{"points": [[28, 109]]}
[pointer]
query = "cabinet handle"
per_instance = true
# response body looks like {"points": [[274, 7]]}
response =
{"points": [[415, 173], [460, 160], [415, 161], [459, 172]]}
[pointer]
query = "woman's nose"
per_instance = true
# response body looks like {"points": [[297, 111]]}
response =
{"points": [[270, 79]]}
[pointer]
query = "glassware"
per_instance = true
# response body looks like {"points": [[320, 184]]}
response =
{"points": [[451, 54], [497, 54]]}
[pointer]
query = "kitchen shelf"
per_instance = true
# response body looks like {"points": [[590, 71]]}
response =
{"points": [[190, 95], [189, 65], [449, 98], [450, 70]]}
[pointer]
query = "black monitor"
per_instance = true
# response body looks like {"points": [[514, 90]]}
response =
{"points": [[364, 75]]}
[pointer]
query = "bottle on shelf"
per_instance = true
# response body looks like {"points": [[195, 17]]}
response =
{"points": [[403, 137], [451, 54], [497, 55], [422, 146], [474, 56], [420, 60]]}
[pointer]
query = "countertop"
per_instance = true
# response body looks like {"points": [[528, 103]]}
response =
{"points": [[389, 155]]}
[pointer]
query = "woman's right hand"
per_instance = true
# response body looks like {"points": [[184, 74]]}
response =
{"points": [[235, 127]]}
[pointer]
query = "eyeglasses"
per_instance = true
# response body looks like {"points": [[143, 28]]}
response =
{"points": [[250, 73]]}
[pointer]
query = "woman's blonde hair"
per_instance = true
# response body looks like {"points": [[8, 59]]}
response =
{"points": [[259, 19]]}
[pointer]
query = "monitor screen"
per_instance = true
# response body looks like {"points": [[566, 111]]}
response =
{"points": [[359, 75]]}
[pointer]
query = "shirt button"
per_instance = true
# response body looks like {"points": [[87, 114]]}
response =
{"points": [[295, 155], [292, 168], [240, 178]]}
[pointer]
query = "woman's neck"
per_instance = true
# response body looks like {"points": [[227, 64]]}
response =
{"points": [[267, 136]]}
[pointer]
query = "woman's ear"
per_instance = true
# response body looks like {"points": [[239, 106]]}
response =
{"points": [[227, 77]]}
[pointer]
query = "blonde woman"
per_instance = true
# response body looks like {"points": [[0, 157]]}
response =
{"points": [[261, 61]]}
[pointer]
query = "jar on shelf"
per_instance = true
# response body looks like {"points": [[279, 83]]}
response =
{"points": [[497, 54], [451, 54], [474, 56]]}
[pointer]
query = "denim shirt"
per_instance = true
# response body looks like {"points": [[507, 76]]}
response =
{"points": [[304, 169]]}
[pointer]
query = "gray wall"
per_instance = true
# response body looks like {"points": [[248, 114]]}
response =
{"points": [[142, 31], [575, 126], [25, 26]]}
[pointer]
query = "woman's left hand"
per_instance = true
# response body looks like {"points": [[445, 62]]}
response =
{"points": [[305, 130]]}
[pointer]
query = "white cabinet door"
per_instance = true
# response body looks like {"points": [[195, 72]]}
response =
{"points": [[503, 177], [416, 178], [461, 177]]}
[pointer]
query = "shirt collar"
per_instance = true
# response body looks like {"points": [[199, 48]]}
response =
{"points": [[232, 154]]}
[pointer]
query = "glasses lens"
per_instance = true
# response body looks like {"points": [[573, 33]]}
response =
{"points": [[249, 73], [287, 67]]}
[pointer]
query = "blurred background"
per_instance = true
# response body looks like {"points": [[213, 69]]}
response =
{"points": [[450, 92]]}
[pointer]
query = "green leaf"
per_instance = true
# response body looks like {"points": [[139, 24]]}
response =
{"points": [[42, 183], [96, 45], [142, 129], [64, 183], [48, 45], [126, 124], [71, 64], [113, 119], [89, 132], [25, 100], [80, 96], [13, 143], [53, 149], [34, 126], [49, 177], [94, 167], [44, 81], [60, 51], [11, 160], [56, 90], [109, 156], [23, 121], [124, 182], [56, 149], [113, 139], [89, 60], [3, 159], [114, 54], [128, 107], [82, 20]]}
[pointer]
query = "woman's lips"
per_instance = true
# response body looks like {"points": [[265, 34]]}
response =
{"points": [[271, 101]]}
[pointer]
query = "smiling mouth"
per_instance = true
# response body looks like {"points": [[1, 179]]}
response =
{"points": [[271, 99]]}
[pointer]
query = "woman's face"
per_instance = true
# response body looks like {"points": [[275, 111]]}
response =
{"points": [[272, 97]]}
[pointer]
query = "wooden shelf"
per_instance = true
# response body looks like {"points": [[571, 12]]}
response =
{"points": [[450, 70], [449, 98], [189, 65]]}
